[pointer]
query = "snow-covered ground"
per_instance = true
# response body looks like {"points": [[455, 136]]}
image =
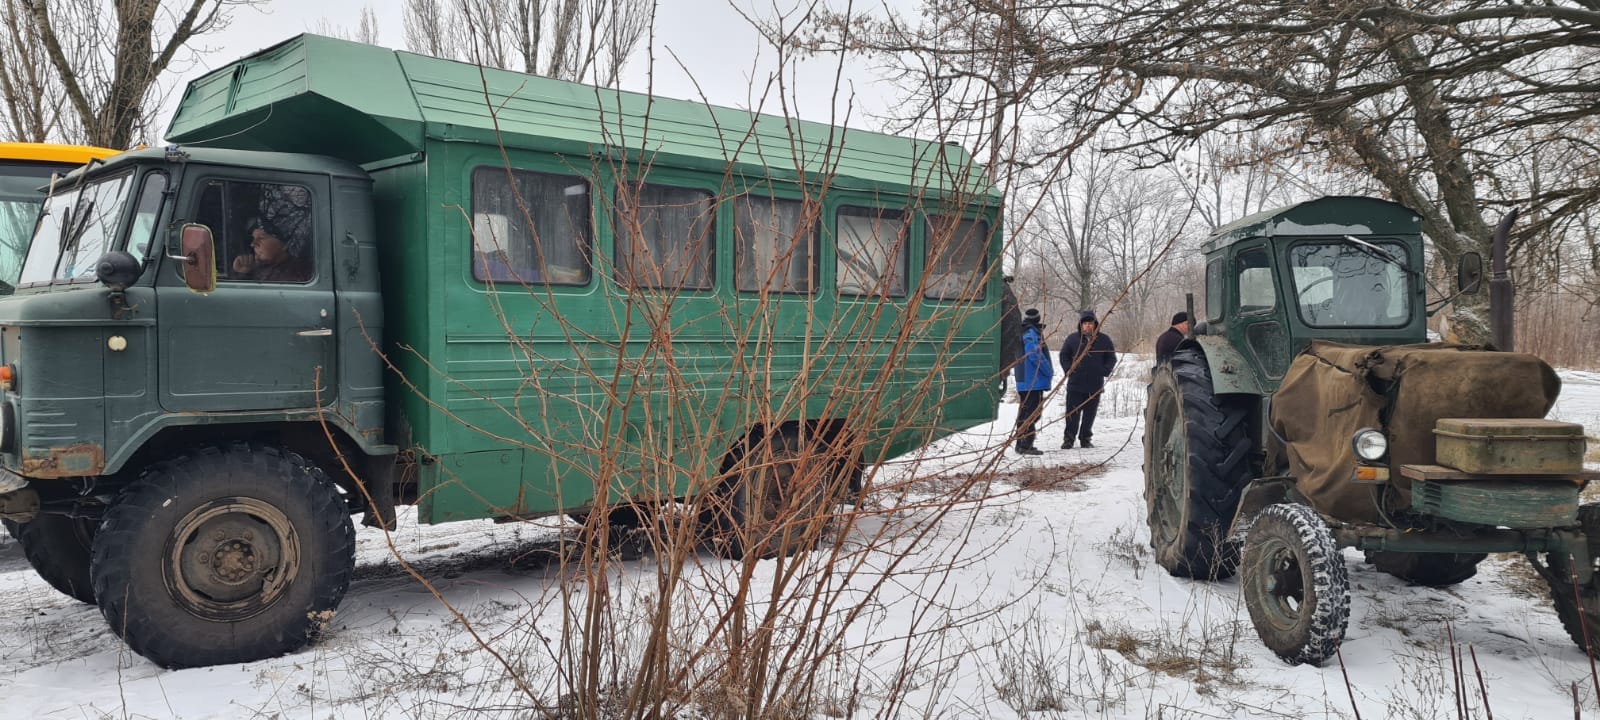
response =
{"points": [[1071, 619]]}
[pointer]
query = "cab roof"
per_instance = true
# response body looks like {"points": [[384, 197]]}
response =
{"points": [[1324, 216]]}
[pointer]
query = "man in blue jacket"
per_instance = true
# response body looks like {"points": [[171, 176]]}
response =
{"points": [[1033, 373], [1087, 358]]}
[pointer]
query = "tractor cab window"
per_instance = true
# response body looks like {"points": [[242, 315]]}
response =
{"points": [[1345, 284], [1253, 274], [1214, 290]]}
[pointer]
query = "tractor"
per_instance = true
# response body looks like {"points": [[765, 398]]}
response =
{"points": [[1307, 412]]}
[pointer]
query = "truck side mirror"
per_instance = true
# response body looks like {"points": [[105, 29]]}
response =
{"points": [[1469, 273], [198, 255]]}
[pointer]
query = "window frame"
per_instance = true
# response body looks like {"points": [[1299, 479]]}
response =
{"points": [[1385, 243], [222, 257], [1238, 284], [586, 242], [1216, 289]]}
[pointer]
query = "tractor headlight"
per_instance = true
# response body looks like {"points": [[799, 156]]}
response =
{"points": [[1369, 444]]}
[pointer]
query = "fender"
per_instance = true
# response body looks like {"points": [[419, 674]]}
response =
{"points": [[1230, 373]]}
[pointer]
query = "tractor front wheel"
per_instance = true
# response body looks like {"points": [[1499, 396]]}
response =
{"points": [[1295, 584]]}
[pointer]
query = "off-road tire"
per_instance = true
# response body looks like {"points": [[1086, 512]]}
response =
{"points": [[58, 548], [1558, 574], [229, 511], [1191, 499], [769, 510], [1428, 569], [1295, 584]]}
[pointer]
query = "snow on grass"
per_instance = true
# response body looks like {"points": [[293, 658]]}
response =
{"points": [[1048, 606]]}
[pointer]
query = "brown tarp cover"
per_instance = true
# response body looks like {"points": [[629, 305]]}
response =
{"points": [[1333, 390]]}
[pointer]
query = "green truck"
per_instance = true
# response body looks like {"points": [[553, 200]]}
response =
{"points": [[364, 278]]}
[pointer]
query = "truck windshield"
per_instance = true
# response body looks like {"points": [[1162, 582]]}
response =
{"points": [[19, 206], [78, 225], [1345, 284]]}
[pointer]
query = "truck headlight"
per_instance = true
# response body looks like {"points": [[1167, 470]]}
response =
{"points": [[1369, 444]]}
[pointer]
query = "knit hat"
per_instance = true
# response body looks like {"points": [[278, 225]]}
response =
{"points": [[1088, 316], [1182, 317], [1032, 317], [292, 240]]}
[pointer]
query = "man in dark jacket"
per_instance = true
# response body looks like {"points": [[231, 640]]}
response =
{"points": [[1033, 380], [1169, 340], [1087, 357]]}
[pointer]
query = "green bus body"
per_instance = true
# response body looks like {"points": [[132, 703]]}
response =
{"points": [[492, 400]]}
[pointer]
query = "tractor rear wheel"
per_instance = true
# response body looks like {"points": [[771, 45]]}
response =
{"points": [[1196, 461]]}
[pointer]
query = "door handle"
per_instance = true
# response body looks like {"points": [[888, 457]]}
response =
{"points": [[323, 332]]}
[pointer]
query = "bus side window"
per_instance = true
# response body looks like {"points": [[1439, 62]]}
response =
{"points": [[665, 237], [955, 259], [871, 251]]}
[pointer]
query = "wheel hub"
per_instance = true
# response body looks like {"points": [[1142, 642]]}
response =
{"points": [[231, 558], [1282, 583]]}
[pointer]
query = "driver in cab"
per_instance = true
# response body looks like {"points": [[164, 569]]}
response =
{"points": [[273, 259]]}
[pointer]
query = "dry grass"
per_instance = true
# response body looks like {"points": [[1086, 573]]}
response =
{"points": [[1059, 478], [1593, 456], [1519, 576], [1207, 660]]}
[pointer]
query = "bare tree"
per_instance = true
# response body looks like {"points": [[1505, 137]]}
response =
{"points": [[1435, 101], [104, 60], [588, 40], [365, 31]]}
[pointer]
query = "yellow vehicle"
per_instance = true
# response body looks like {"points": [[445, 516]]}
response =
{"points": [[24, 168]]}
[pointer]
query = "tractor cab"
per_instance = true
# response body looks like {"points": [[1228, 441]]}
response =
{"points": [[1344, 269]]}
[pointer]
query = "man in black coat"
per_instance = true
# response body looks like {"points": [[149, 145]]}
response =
{"points": [[1169, 340], [1087, 357]]}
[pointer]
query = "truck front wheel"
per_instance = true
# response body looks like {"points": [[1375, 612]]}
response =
{"points": [[223, 556], [57, 547]]}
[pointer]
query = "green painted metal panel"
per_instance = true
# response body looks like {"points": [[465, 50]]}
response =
{"points": [[1325, 216], [1524, 503], [1230, 371], [365, 104]]}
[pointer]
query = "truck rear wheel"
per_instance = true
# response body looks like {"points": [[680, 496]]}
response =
{"points": [[1430, 569], [1295, 584], [1196, 461], [58, 547], [224, 556], [773, 509]]}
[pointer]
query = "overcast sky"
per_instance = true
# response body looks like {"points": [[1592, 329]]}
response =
{"points": [[717, 48]]}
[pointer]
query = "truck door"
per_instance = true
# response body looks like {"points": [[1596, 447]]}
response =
{"points": [[263, 339]]}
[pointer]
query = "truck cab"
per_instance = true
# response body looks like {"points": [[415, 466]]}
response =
{"points": [[114, 350]]}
